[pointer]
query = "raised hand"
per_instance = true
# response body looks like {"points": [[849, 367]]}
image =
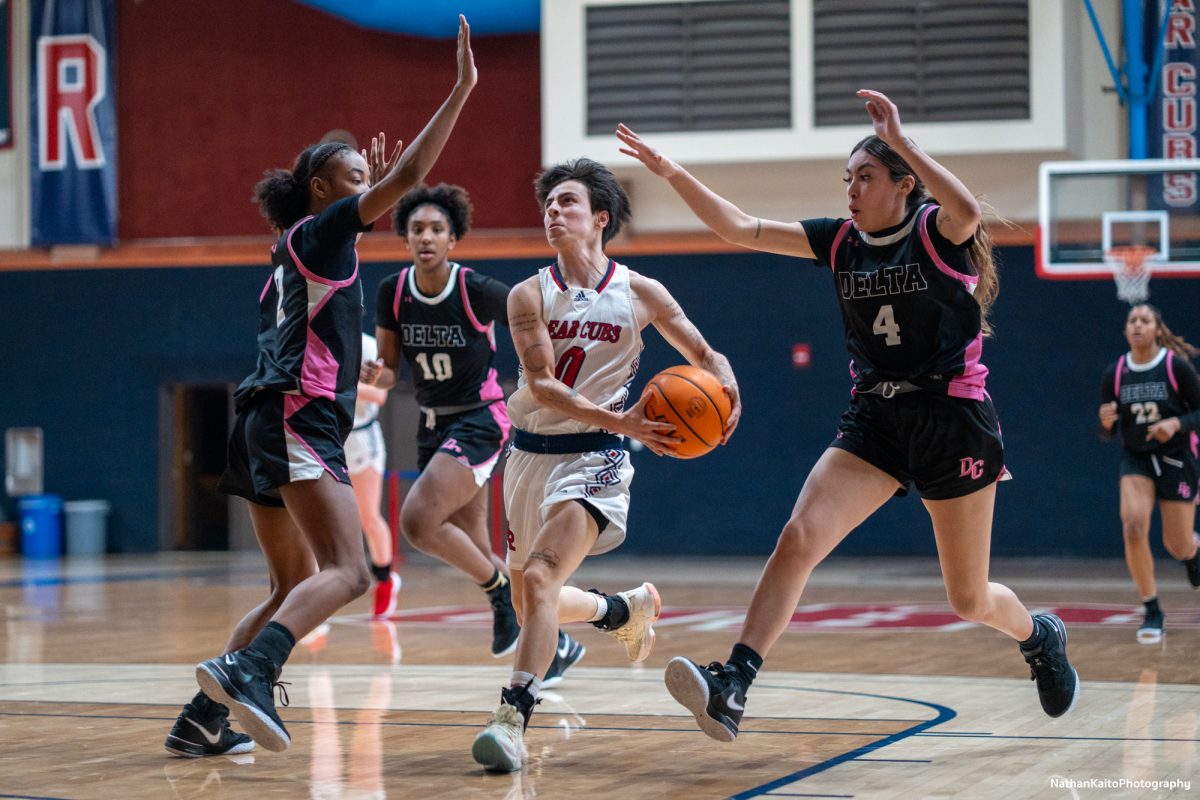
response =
{"points": [[377, 160], [655, 161], [467, 74], [885, 117]]}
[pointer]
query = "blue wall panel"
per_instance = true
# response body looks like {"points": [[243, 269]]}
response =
{"points": [[86, 353]]}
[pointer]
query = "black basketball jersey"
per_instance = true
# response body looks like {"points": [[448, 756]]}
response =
{"points": [[906, 302], [448, 340], [1162, 388], [311, 310]]}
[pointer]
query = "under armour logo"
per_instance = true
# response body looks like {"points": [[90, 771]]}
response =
{"points": [[970, 467]]}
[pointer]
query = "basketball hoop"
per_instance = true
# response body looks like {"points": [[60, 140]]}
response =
{"points": [[1131, 271]]}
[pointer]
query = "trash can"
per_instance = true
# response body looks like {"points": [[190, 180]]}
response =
{"points": [[87, 527], [41, 525]]}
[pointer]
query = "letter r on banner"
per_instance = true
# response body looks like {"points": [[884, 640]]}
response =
{"points": [[71, 82]]}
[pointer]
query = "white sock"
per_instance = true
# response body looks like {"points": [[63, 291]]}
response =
{"points": [[601, 608], [520, 679]]}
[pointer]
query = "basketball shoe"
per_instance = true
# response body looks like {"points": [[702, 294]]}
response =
{"points": [[714, 695], [505, 628], [568, 653], [386, 593], [1057, 681], [637, 633], [245, 684], [500, 746], [202, 729], [1192, 565], [1151, 630]]}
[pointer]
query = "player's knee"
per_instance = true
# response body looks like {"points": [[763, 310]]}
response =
{"points": [[1135, 530], [970, 605], [358, 579], [537, 585], [417, 525], [798, 541]]}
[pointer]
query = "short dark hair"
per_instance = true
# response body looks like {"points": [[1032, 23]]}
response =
{"points": [[452, 200], [282, 195], [604, 192]]}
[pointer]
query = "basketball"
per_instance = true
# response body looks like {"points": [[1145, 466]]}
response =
{"points": [[693, 401]]}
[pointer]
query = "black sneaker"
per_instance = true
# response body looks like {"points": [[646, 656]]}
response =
{"points": [[712, 694], [505, 629], [245, 684], [568, 653], [202, 729], [1192, 565], [1057, 681], [1151, 631]]}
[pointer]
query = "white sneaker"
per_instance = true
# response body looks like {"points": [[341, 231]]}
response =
{"points": [[638, 633], [501, 745]]}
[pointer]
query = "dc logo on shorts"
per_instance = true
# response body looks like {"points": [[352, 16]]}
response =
{"points": [[1185, 491], [970, 467]]}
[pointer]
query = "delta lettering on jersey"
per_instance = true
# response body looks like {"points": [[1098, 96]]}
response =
{"points": [[413, 335], [1140, 392], [73, 184], [899, 279], [591, 330]]}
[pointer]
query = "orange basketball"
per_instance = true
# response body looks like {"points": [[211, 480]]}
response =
{"points": [[693, 401]]}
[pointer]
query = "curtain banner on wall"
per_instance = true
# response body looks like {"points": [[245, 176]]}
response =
{"points": [[1171, 113], [6, 137], [73, 123]]}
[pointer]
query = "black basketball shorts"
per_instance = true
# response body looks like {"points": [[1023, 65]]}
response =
{"points": [[281, 438], [945, 446], [1174, 473], [474, 438]]}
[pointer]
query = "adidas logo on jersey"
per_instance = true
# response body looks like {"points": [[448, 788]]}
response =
{"points": [[580, 297]]}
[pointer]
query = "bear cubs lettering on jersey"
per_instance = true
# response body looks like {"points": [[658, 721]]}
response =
{"points": [[590, 330], [899, 279]]}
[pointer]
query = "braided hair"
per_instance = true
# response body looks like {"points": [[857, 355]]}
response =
{"points": [[282, 195]]}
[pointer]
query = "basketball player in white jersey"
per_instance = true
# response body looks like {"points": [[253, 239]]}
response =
{"points": [[576, 326], [366, 458]]}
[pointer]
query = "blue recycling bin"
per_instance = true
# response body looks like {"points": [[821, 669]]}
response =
{"points": [[41, 525]]}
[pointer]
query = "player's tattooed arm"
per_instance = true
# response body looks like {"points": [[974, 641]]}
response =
{"points": [[524, 321]]}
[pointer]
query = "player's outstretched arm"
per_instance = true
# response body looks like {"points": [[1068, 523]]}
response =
{"points": [[667, 316], [532, 342], [960, 214], [721, 216], [403, 172]]}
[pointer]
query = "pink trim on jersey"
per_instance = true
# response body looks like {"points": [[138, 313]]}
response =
{"points": [[500, 414], [399, 291], [318, 373], [289, 400], [969, 281], [1117, 378], [466, 301], [1195, 441], [853, 379], [267, 285], [837, 241], [309, 274], [490, 388], [1171, 370], [970, 384]]}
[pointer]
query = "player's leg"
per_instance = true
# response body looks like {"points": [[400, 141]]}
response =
{"points": [[368, 491], [1179, 535], [839, 494], [1137, 504], [557, 550]]}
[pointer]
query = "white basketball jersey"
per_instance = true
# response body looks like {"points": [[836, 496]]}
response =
{"points": [[365, 412], [597, 346]]}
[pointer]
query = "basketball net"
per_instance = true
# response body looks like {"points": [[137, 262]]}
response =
{"points": [[1131, 271]]}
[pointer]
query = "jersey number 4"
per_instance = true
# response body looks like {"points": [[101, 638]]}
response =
{"points": [[885, 325]]}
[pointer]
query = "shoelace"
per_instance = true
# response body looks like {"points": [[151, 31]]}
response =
{"points": [[718, 671], [281, 692]]}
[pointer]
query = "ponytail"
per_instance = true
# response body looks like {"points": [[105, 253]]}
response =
{"points": [[282, 195], [981, 249], [1172, 341]]}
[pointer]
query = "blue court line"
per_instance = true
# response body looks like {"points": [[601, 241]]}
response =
{"points": [[898, 760], [31, 797], [63, 580], [944, 714]]}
